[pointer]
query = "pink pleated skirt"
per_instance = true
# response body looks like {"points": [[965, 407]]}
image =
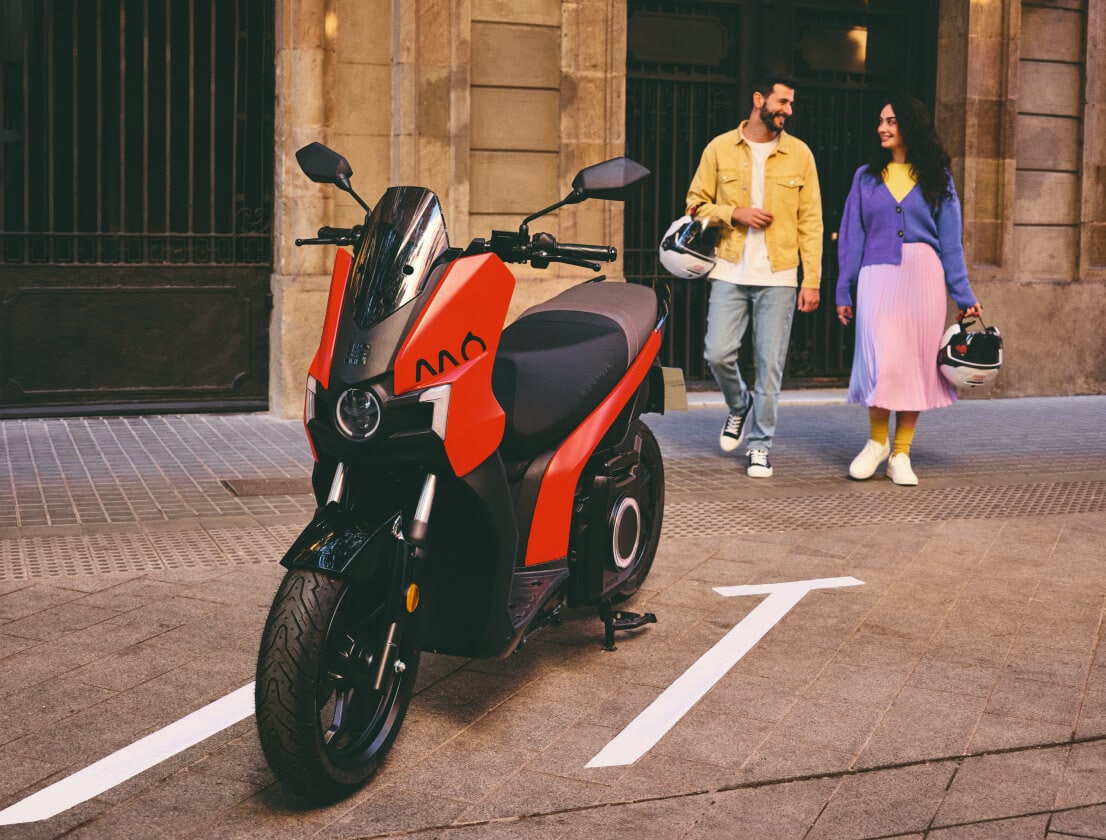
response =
{"points": [[900, 319]]}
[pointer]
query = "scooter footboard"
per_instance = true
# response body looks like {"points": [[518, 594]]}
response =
{"points": [[344, 545]]}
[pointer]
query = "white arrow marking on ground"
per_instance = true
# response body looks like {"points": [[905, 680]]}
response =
{"points": [[651, 725], [132, 760]]}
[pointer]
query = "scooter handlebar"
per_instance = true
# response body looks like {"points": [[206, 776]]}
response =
{"points": [[604, 253]]}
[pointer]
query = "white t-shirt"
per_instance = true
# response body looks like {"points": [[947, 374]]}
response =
{"points": [[754, 268]]}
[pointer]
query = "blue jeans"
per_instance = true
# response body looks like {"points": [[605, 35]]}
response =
{"points": [[771, 309]]}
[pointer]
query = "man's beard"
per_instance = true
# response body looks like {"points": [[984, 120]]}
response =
{"points": [[768, 118]]}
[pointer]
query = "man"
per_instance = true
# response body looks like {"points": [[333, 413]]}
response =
{"points": [[759, 184]]}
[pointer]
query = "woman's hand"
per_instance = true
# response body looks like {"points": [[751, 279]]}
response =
{"points": [[973, 311], [844, 314]]}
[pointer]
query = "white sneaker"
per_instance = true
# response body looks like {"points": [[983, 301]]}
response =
{"points": [[733, 431], [898, 470], [758, 464], [867, 462]]}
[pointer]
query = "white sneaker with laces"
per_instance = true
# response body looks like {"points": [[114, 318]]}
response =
{"points": [[758, 464], [899, 471], [734, 429], [867, 462]]}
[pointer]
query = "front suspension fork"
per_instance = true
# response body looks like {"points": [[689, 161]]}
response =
{"points": [[403, 597]]}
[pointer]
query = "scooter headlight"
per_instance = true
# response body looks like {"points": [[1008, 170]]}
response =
{"points": [[358, 414]]}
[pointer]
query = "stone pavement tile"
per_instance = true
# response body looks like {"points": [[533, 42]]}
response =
{"points": [[882, 651], [778, 757], [168, 810], [55, 827], [849, 683], [1034, 659], [10, 645], [1033, 827], [20, 774], [30, 599], [777, 658], [841, 726], [1092, 715], [569, 755], [530, 724], [42, 706], [1084, 779], [781, 812], [466, 768], [921, 723], [996, 732], [656, 775], [1089, 822], [667, 818], [1050, 702], [50, 624], [753, 696], [884, 803], [709, 738], [132, 594], [1002, 786], [960, 677], [533, 792]]}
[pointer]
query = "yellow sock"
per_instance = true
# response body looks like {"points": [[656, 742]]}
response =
{"points": [[904, 433], [880, 422]]}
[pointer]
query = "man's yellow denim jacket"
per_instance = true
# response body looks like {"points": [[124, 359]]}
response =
{"points": [[723, 181]]}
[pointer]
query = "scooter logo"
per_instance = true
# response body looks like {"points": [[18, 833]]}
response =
{"points": [[447, 360]]}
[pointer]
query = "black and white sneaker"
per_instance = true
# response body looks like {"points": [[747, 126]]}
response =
{"points": [[734, 429], [758, 464]]}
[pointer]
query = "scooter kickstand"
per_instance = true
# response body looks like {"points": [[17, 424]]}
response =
{"points": [[619, 620]]}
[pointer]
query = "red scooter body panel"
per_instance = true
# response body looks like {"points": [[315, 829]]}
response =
{"points": [[320, 365], [549, 531], [454, 342]]}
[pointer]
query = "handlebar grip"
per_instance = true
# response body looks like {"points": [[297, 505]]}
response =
{"points": [[604, 253], [327, 232]]}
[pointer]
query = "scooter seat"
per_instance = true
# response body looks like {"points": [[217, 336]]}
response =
{"points": [[558, 361]]}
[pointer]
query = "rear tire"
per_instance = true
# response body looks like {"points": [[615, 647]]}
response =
{"points": [[650, 499], [323, 728]]}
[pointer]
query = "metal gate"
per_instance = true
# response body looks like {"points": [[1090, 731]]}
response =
{"points": [[135, 219], [689, 69]]}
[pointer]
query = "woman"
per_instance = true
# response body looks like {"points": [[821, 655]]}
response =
{"points": [[898, 251]]}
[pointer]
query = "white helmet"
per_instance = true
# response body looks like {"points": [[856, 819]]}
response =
{"points": [[686, 250], [970, 359]]}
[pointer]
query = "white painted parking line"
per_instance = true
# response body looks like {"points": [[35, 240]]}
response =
{"points": [[132, 760], [650, 726]]}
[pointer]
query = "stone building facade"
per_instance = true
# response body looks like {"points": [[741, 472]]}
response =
{"points": [[495, 105]]}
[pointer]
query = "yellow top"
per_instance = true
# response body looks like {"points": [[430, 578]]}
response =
{"points": [[899, 179]]}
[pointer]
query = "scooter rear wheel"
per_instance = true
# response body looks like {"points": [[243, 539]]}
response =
{"points": [[651, 504], [324, 729]]}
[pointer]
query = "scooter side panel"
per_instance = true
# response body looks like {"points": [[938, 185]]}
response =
{"points": [[454, 342], [549, 531], [320, 365]]}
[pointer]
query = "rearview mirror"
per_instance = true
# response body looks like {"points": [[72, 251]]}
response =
{"points": [[324, 165], [610, 179]]}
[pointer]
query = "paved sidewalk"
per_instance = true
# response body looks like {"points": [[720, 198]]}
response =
{"points": [[959, 692]]}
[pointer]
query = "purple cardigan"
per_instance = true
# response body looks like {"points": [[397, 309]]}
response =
{"points": [[874, 227]]}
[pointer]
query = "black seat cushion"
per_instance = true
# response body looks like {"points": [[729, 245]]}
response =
{"points": [[560, 359]]}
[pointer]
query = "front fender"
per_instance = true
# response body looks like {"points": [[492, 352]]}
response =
{"points": [[342, 544]]}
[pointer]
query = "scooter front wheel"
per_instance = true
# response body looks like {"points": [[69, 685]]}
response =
{"points": [[324, 724]]}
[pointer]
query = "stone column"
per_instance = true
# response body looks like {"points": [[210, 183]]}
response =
{"points": [[1092, 259], [305, 31]]}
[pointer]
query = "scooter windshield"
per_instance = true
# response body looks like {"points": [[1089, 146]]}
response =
{"points": [[404, 237]]}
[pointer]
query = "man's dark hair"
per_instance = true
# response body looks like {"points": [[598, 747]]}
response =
{"points": [[768, 81]]}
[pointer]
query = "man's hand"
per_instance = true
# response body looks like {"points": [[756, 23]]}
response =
{"points": [[844, 314], [752, 217], [809, 299]]}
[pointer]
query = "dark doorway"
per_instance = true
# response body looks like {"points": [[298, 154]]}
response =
{"points": [[689, 68], [135, 218]]}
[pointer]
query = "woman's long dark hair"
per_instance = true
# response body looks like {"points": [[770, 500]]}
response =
{"points": [[924, 152]]}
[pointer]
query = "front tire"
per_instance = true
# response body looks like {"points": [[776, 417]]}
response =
{"points": [[323, 728]]}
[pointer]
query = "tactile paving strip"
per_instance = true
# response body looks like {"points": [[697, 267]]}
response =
{"points": [[44, 556], [723, 518]]}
